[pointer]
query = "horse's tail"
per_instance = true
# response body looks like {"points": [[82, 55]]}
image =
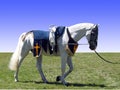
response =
{"points": [[15, 57]]}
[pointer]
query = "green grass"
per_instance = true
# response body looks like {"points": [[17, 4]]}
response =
{"points": [[89, 72]]}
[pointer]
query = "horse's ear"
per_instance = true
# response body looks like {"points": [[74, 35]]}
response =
{"points": [[95, 25], [98, 25]]}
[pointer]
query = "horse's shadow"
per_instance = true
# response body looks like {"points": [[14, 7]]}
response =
{"points": [[69, 84]]}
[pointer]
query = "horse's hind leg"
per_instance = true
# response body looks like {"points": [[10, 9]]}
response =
{"points": [[39, 67], [22, 54]]}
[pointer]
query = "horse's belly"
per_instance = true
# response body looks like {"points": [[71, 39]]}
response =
{"points": [[49, 54]]}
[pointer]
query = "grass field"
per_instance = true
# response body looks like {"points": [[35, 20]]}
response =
{"points": [[89, 72]]}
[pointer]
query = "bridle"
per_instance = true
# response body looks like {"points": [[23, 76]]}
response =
{"points": [[93, 38]]}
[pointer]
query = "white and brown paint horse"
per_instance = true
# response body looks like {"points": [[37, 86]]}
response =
{"points": [[76, 31]]}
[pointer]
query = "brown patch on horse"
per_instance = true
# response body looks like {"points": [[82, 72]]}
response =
{"points": [[24, 36]]}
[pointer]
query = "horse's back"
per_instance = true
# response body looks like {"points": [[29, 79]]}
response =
{"points": [[40, 34]]}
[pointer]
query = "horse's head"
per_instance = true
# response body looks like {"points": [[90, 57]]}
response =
{"points": [[92, 37], [52, 36]]}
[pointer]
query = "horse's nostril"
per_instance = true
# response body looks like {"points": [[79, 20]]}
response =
{"points": [[92, 47]]}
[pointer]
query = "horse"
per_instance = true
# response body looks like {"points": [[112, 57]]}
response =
{"points": [[63, 45]]}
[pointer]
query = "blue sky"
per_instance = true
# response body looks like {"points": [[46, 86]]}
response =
{"points": [[18, 16]]}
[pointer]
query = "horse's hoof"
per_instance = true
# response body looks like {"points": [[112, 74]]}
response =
{"points": [[46, 82], [58, 78], [66, 84], [16, 80]]}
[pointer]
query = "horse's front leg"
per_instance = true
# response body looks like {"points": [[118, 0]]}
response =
{"points": [[63, 67], [69, 63], [39, 66]]}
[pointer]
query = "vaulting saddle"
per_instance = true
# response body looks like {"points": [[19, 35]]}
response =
{"points": [[41, 41]]}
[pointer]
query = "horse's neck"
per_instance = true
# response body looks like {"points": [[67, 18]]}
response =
{"points": [[79, 30]]}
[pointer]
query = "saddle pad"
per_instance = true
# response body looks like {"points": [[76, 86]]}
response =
{"points": [[40, 34], [41, 40]]}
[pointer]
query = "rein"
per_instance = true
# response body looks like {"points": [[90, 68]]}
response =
{"points": [[104, 58], [77, 44]]}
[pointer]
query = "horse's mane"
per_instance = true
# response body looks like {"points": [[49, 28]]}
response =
{"points": [[80, 26]]}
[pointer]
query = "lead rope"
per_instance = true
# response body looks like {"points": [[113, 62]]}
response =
{"points": [[98, 55], [105, 59]]}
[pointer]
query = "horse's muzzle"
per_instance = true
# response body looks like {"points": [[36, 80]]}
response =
{"points": [[92, 45]]}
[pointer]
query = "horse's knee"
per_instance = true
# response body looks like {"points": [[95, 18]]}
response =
{"points": [[71, 69]]}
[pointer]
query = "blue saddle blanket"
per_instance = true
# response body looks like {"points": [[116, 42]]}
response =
{"points": [[40, 34], [41, 41]]}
